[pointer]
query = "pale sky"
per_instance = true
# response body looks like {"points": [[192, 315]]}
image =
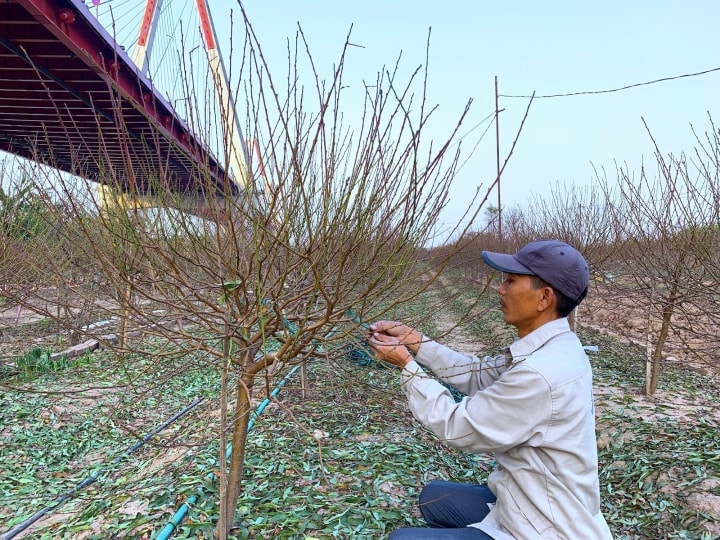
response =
{"points": [[553, 47], [546, 47]]}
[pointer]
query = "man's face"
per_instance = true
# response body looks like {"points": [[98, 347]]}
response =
{"points": [[520, 303]]}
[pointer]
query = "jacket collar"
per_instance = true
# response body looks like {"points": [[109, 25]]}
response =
{"points": [[522, 348]]}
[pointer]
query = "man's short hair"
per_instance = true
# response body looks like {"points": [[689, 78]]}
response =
{"points": [[563, 305]]}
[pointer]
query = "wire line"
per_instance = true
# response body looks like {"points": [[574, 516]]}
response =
{"points": [[664, 79]]}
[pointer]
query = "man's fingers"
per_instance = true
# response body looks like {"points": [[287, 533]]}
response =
{"points": [[391, 328], [382, 326], [382, 339]]}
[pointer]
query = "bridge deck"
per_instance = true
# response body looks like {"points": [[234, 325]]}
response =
{"points": [[70, 98]]}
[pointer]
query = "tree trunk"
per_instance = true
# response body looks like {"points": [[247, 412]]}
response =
{"points": [[223, 480], [667, 313], [126, 303], [237, 458]]}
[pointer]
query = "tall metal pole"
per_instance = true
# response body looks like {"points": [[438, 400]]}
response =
{"points": [[236, 148], [497, 157], [108, 196], [146, 36]]}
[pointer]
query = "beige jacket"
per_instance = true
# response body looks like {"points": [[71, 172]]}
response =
{"points": [[533, 408]]}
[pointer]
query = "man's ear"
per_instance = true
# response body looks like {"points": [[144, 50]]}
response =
{"points": [[548, 300]]}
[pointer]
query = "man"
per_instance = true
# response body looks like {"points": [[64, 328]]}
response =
{"points": [[531, 406]]}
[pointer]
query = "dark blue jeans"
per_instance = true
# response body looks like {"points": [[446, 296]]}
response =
{"points": [[448, 508]]}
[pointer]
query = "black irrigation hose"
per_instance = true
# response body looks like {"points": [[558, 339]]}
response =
{"points": [[94, 476]]}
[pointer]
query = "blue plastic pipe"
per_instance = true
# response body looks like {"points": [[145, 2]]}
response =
{"points": [[184, 509], [182, 512]]}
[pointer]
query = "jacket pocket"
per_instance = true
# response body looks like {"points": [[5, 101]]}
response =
{"points": [[521, 516]]}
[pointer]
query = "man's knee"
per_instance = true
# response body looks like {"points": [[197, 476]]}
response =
{"points": [[433, 492]]}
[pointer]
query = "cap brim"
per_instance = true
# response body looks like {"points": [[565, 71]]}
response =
{"points": [[505, 263]]}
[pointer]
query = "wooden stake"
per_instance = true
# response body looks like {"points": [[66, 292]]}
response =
{"points": [[497, 156]]}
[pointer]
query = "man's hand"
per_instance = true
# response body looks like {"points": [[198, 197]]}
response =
{"points": [[389, 349], [408, 336]]}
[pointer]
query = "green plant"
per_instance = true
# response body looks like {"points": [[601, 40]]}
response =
{"points": [[41, 360], [22, 211]]}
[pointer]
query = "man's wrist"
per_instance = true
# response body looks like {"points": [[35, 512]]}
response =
{"points": [[408, 359], [415, 341]]}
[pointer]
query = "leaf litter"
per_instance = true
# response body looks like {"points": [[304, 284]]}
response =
{"points": [[347, 460]]}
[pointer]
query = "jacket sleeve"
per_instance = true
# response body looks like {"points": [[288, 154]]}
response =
{"points": [[466, 372], [516, 409]]}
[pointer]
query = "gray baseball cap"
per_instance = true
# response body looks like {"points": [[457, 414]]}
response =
{"points": [[558, 264]]}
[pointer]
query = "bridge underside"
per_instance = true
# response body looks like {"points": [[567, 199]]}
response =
{"points": [[73, 100]]}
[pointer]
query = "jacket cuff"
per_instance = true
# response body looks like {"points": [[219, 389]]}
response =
{"points": [[427, 351], [411, 370]]}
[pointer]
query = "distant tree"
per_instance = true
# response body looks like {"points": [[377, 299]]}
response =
{"points": [[670, 253], [492, 214], [581, 216], [21, 210]]}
